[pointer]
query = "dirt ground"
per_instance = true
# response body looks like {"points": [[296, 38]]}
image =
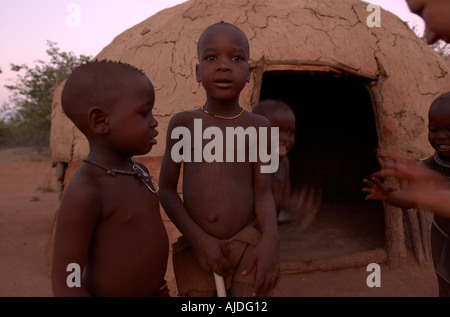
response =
{"points": [[28, 202]]}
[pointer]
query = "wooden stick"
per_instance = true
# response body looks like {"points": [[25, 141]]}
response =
{"points": [[220, 285], [415, 234], [425, 219]]}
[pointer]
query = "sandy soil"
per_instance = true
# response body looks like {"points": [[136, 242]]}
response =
{"points": [[28, 202]]}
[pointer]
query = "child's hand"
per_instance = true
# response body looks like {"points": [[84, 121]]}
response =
{"points": [[420, 178], [211, 253], [377, 190], [265, 259]]}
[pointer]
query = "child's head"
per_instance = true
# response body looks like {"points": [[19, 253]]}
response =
{"points": [[279, 115], [112, 102], [436, 14], [439, 124], [223, 54]]}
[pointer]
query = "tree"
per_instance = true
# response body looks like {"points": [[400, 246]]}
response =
{"points": [[441, 48], [33, 94]]}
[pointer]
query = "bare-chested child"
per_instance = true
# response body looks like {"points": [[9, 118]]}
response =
{"points": [[292, 205], [109, 222], [227, 215], [425, 187]]}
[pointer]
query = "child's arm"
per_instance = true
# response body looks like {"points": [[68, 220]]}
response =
{"points": [[265, 257], [210, 252], [425, 187], [77, 219], [437, 200]]}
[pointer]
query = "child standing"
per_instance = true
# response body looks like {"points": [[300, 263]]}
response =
{"points": [[227, 215], [439, 138], [109, 224], [292, 205]]}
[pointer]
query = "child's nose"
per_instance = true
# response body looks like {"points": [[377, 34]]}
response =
{"points": [[223, 66], [154, 122]]}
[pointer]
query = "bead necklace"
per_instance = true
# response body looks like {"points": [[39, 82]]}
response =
{"points": [[137, 170], [440, 161], [221, 117], [445, 166]]}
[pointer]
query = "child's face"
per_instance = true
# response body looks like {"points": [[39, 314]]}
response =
{"points": [[285, 121], [436, 14], [439, 128], [223, 66], [132, 123]]}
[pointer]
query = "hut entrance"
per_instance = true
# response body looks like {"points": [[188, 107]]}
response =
{"points": [[335, 148]]}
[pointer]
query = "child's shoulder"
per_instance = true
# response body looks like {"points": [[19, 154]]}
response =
{"points": [[437, 165], [256, 119], [83, 179], [184, 117], [82, 190]]}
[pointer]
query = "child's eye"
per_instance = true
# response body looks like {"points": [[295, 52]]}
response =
{"points": [[144, 113], [237, 58], [210, 58]]}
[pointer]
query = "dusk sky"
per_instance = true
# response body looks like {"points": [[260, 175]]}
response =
{"points": [[26, 25]]}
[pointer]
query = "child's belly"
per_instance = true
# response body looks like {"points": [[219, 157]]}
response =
{"points": [[220, 198]]}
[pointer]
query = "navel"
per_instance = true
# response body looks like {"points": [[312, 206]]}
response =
{"points": [[212, 217]]}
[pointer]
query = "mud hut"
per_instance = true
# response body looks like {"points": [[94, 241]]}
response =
{"points": [[354, 88]]}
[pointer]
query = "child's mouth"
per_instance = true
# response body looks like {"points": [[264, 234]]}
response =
{"points": [[152, 139], [443, 148], [223, 83]]}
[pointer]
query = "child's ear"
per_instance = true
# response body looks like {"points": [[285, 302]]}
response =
{"points": [[197, 73], [98, 120]]}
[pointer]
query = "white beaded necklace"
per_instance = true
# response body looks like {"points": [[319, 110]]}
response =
{"points": [[440, 161]]}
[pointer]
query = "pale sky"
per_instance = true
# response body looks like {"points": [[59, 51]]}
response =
{"points": [[26, 25]]}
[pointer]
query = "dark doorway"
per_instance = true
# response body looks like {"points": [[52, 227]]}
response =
{"points": [[335, 148]]}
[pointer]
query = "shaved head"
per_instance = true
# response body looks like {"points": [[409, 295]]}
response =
{"points": [[269, 107], [441, 101], [220, 26], [94, 84]]}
